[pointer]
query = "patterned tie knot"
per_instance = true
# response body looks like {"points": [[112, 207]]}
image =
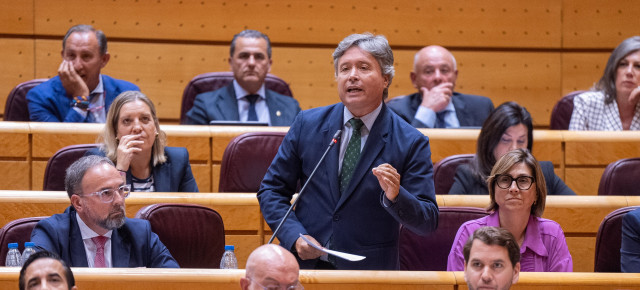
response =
{"points": [[99, 241], [356, 124], [252, 98]]}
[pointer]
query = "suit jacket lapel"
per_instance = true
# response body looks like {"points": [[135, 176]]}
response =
{"points": [[162, 177], [120, 249], [227, 105], [460, 107], [375, 143], [331, 161], [274, 108], [76, 245]]}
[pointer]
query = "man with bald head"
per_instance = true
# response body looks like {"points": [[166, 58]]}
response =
{"points": [[269, 267], [436, 104]]}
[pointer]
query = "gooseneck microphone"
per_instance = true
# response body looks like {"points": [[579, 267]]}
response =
{"points": [[334, 140]]}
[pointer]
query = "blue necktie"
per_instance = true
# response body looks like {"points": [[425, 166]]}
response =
{"points": [[440, 122], [253, 116], [351, 155]]}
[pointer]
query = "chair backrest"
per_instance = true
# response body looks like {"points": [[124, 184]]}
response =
{"points": [[445, 170], [609, 241], [621, 178], [246, 160], [58, 163], [16, 231], [16, 108], [429, 253], [561, 113], [194, 234], [214, 80]]}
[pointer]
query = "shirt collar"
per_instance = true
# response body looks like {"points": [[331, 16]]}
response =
{"points": [[367, 119], [100, 87], [241, 93], [86, 232], [532, 236]]}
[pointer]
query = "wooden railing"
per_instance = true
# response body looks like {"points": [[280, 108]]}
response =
{"points": [[579, 216]]}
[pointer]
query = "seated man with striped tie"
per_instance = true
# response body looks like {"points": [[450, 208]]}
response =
{"points": [[94, 231], [246, 99], [79, 93]]}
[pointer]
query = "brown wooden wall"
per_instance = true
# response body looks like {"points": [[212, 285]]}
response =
{"points": [[530, 52]]}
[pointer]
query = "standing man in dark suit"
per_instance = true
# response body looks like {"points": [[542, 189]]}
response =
{"points": [[380, 176], [94, 231], [246, 99], [436, 105], [79, 93]]}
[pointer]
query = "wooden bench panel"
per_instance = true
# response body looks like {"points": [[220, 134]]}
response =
{"points": [[596, 24], [16, 17], [581, 70], [600, 148], [584, 181], [495, 23], [16, 56]]}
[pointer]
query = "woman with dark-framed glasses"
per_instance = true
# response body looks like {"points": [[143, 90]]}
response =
{"points": [[518, 192]]}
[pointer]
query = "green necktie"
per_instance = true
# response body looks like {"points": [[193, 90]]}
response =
{"points": [[351, 155]]}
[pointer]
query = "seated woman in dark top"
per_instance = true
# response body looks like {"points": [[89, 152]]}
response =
{"points": [[133, 140], [508, 127]]}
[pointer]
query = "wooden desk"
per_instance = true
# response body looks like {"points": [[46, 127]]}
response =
{"points": [[161, 279], [579, 216]]}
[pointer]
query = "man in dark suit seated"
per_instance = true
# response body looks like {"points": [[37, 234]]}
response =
{"points": [[79, 93], [436, 104], [378, 177], [246, 99], [94, 231]]}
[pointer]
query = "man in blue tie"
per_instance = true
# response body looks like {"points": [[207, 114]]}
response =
{"points": [[246, 98], [379, 177], [436, 104], [94, 231], [79, 93]]}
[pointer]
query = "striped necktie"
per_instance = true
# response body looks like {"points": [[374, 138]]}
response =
{"points": [[351, 155]]}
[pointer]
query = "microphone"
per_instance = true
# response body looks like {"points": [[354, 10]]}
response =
{"points": [[334, 140]]}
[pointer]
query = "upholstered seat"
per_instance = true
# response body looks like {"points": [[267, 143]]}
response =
{"points": [[214, 80], [609, 241], [194, 234], [562, 111], [58, 163], [16, 107], [16, 231], [621, 178], [445, 170], [247, 159], [429, 253]]}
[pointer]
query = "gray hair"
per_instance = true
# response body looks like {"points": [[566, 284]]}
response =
{"points": [[248, 33], [77, 170], [377, 46], [82, 28], [607, 82]]}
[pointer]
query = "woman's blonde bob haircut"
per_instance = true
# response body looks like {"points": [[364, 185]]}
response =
{"points": [[109, 135]]}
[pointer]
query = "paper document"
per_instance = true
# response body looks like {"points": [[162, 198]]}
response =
{"points": [[346, 256]]}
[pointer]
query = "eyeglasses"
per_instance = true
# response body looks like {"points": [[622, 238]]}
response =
{"points": [[523, 182], [107, 195], [296, 286]]}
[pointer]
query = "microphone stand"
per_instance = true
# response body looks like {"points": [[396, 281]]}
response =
{"points": [[334, 140]]}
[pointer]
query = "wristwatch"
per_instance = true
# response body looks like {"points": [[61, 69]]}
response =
{"points": [[81, 102]]}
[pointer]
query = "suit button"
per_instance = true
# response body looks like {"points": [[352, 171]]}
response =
{"points": [[336, 217]]}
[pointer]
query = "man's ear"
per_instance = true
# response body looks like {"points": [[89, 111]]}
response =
{"points": [[244, 283], [77, 203], [516, 273], [105, 59], [413, 77]]}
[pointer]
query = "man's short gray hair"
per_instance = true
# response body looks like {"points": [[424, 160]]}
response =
{"points": [[376, 45], [77, 170]]}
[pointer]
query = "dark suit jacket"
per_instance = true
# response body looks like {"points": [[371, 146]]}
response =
{"points": [[471, 110], [630, 247], [132, 245], [48, 102], [465, 183], [172, 176], [222, 104], [356, 221]]}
